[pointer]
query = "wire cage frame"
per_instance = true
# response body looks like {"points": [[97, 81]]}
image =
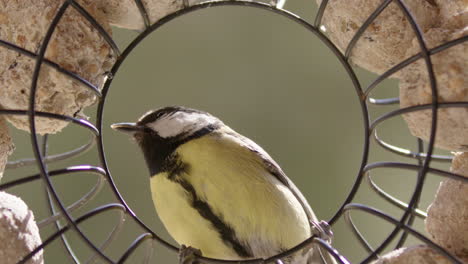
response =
{"points": [[58, 210]]}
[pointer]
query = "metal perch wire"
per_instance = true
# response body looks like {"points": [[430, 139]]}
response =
{"points": [[367, 171]]}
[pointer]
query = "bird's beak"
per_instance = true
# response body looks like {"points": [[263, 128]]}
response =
{"points": [[128, 128]]}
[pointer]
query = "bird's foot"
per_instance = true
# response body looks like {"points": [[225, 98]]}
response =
{"points": [[189, 255], [322, 230]]}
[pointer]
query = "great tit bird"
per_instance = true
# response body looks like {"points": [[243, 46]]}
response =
{"points": [[218, 191]]}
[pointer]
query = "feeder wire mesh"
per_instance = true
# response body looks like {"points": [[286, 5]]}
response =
{"points": [[58, 210]]}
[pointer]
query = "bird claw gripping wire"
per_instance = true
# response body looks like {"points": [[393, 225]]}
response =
{"points": [[322, 230], [189, 255]]}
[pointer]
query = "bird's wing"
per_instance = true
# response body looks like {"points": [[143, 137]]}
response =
{"points": [[319, 256], [276, 171]]}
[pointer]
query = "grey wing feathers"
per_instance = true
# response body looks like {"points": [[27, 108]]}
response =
{"points": [[276, 171], [279, 174], [319, 255]]}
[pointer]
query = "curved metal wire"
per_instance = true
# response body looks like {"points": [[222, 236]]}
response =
{"points": [[142, 238], [412, 59], [77, 204], [21, 163], [389, 198], [414, 167], [402, 225], [34, 138], [325, 245], [70, 253], [144, 14], [66, 228], [416, 108], [78, 121], [149, 252], [102, 32], [412, 217], [364, 27], [408, 153], [54, 65], [320, 12], [53, 211], [168, 18], [397, 223], [111, 237]]}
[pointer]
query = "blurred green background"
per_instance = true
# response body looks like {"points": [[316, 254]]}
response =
{"points": [[265, 76]]}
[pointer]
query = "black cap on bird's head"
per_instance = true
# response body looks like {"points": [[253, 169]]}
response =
{"points": [[160, 132], [170, 122]]}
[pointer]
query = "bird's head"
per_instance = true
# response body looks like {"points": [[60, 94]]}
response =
{"points": [[170, 123], [159, 132]]}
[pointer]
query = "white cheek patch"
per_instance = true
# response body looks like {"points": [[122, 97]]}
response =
{"points": [[181, 122]]}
